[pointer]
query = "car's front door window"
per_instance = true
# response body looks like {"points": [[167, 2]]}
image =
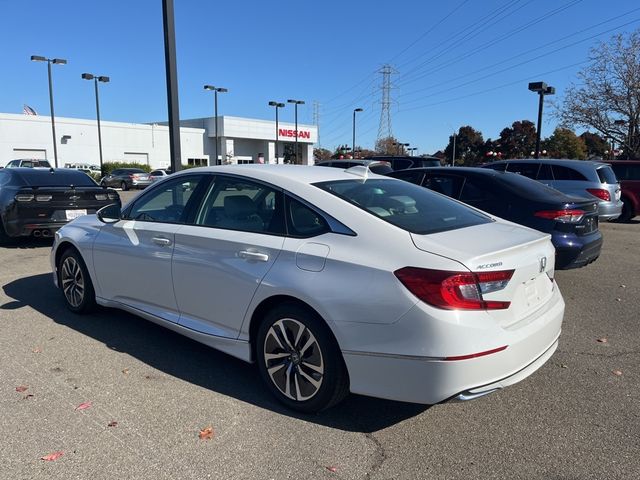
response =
{"points": [[167, 204]]}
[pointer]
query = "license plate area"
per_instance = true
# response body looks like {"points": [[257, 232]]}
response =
{"points": [[73, 214]]}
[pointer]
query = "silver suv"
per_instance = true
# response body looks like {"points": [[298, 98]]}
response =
{"points": [[28, 162], [580, 178]]}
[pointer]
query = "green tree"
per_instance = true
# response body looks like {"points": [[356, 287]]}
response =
{"points": [[607, 95], [385, 146], [320, 154], [563, 143], [469, 143], [519, 140], [596, 145]]}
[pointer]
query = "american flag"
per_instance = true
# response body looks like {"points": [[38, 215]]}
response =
{"points": [[27, 110]]}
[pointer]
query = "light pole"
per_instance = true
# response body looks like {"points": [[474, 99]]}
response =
{"points": [[56, 61], [277, 105], [215, 124], [411, 150], [296, 103], [541, 89], [96, 79], [353, 142]]}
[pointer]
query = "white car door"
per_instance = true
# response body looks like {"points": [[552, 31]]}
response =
{"points": [[132, 258], [220, 260]]}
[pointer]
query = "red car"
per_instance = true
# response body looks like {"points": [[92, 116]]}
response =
{"points": [[628, 174]]}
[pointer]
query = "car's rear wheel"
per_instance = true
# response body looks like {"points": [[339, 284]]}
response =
{"points": [[299, 359], [75, 282], [4, 238], [124, 186], [627, 211]]}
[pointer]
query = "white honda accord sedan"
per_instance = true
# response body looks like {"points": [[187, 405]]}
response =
{"points": [[332, 281]]}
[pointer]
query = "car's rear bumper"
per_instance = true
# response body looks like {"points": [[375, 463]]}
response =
{"points": [[428, 380], [609, 210], [573, 251], [25, 227]]}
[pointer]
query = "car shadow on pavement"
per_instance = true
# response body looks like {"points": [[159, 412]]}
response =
{"points": [[29, 242], [193, 362]]}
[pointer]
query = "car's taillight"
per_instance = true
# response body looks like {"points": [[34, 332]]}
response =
{"points": [[24, 197], [455, 290], [601, 193], [566, 216]]}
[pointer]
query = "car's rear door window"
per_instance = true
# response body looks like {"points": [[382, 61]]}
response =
{"points": [[405, 205], [528, 169], [561, 172], [413, 176]]}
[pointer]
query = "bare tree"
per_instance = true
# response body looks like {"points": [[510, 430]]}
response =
{"points": [[607, 97]]}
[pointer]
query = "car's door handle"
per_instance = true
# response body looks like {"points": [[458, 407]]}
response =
{"points": [[163, 242], [247, 255]]}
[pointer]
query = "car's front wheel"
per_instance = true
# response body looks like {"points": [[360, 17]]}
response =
{"points": [[75, 283], [124, 186], [299, 359]]}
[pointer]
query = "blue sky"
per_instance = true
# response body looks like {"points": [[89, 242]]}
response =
{"points": [[463, 62]]}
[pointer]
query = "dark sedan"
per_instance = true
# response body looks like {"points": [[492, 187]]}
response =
{"points": [[127, 178], [39, 201], [571, 221]]}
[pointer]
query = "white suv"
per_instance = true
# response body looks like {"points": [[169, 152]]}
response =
{"points": [[29, 163]]}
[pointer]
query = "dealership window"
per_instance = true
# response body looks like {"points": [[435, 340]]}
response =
{"points": [[197, 162]]}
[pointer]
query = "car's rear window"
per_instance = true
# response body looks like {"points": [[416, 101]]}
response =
{"points": [[606, 175], [133, 170], [59, 178], [526, 188], [407, 206]]}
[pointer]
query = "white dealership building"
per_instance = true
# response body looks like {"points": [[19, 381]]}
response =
{"points": [[240, 140]]}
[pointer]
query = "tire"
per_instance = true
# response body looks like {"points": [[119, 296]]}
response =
{"points": [[627, 211], [312, 376], [124, 186], [75, 282], [4, 238]]}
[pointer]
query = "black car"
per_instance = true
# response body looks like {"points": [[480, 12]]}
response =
{"points": [[571, 221], [127, 178], [39, 201], [402, 162], [381, 168]]}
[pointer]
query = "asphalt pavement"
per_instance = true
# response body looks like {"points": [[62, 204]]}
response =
{"points": [[120, 397]]}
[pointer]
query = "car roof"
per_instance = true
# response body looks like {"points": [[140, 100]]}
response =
{"points": [[282, 175], [553, 161]]}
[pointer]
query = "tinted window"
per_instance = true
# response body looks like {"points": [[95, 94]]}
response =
{"points": [[304, 222], [627, 172], [405, 205], [444, 184], [132, 170], [606, 175], [237, 204], [497, 166], [413, 176], [401, 163], [116, 172], [524, 187], [167, 204], [59, 178], [565, 173], [545, 172], [527, 169], [476, 194]]}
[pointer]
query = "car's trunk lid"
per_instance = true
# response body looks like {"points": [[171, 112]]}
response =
{"points": [[502, 246]]}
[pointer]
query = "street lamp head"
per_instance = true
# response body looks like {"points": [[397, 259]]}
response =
{"points": [[276, 104], [357, 110], [103, 79], [87, 76], [209, 87], [221, 90], [59, 61], [297, 102], [550, 91], [537, 86], [38, 58]]}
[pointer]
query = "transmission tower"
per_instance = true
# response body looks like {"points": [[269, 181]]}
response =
{"points": [[316, 119], [385, 130]]}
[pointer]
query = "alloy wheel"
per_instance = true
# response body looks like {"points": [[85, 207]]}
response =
{"points": [[72, 280], [293, 359]]}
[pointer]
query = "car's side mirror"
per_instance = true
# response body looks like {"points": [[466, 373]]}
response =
{"points": [[109, 214]]}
